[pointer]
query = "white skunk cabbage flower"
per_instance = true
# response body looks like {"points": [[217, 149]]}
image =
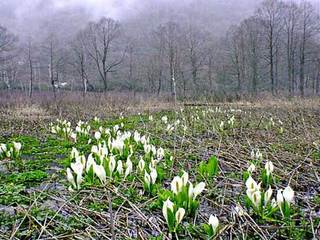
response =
{"points": [[73, 136], [258, 155], [269, 167], [136, 137], [147, 148], [141, 165], [53, 130], [3, 147], [288, 194], [267, 195], [167, 205], [82, 159], [100, 172], [78, 167], [74, 153], [185, 178], [190, 190], [176, 185], [280, 198], [107, 131], [170, 128], [153, 175], [97, 135], [116, 128], [251, 168], [214, 222], [143, 140], [112, 165], [129, 167], [17, 146], [90, 162], [153, 150], [252, 154], [120, 167], [273, 203], [179, 215], [256, 198], [103, 151], [147, 178], [164, 119], [94, 149], [251, 184], [198, 189], [153, 162], [71, 178]]}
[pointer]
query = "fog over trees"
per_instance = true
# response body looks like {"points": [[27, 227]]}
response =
{"points": [[204, 47]]}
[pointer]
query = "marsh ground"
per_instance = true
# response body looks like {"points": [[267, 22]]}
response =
{"points": [[35, 202]]}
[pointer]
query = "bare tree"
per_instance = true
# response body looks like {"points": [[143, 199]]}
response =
{"points": [[253, 32], [172, 30], [159, 40], [101, 46], [7, 41], [7, 45], [291, 18], [236, 46], [271, 12], [30, 63], [196, 52], [79, 61], [309, 27], [50, 49]]}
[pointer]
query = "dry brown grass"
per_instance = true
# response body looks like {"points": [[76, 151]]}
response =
{"points": [[74, 104]]}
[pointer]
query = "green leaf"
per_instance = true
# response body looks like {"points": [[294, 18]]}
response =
{"points": [[171, 220], [202, 168], [212, 166]]}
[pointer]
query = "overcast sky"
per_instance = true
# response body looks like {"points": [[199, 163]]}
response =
{"points": [[37, 14], [113, 8]]}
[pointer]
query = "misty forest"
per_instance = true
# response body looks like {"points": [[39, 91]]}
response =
{"points": [[160, 119]]}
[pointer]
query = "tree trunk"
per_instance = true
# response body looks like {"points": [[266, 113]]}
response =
{"points": [[31, 71]]}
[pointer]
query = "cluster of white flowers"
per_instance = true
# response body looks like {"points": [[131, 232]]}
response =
{"points": [[112, 156], [179, 183], [271, 122], [231, 121], [261, 199], [256, 154], [254, 192], [150, 178], [184, 200], [164, 119], [11, 150], [83, 128], [172, 217], [61, 128], [285, 198], [175, 125]]}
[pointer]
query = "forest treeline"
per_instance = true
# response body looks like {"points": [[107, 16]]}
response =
{"points": [[275, 50]]}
